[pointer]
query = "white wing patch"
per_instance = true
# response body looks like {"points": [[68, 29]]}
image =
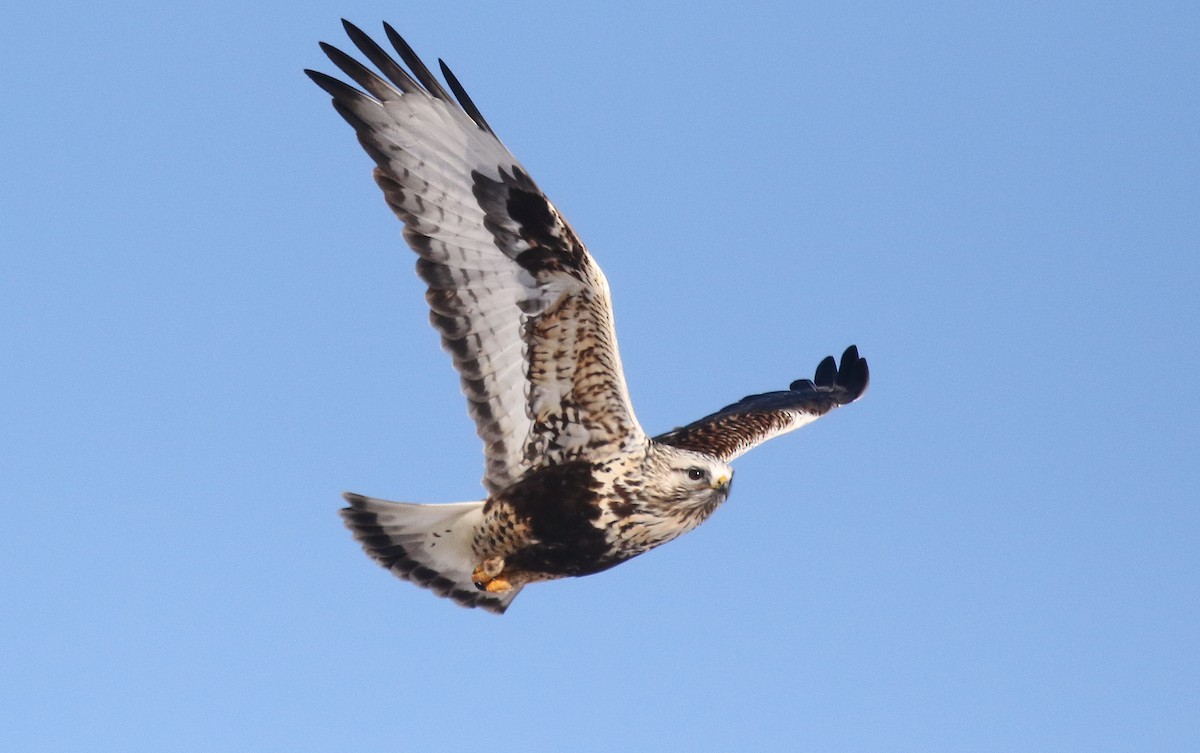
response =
{"points": [[521, 307]]}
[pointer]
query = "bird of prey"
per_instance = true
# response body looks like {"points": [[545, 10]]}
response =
{"points": [[574, 485]]}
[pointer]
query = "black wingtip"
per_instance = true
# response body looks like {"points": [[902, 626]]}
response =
{"points": [[853, 375], [827, 372], [414, 64], [847, 380], [333, 87], [464, 100], [350, 28]]}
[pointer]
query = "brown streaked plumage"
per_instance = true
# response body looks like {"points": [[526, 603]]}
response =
{"points": [[574, 484]]}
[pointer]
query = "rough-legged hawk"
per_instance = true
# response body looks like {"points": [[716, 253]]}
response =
{"points": [[574, 484]]}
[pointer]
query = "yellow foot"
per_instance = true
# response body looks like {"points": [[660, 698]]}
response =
{"points": [[497, 586], [487, 576]]}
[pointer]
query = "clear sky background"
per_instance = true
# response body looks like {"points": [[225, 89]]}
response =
{"points": [[210, 327]]}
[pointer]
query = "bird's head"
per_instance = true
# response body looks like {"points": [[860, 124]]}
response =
{"points": [[686, 480]]}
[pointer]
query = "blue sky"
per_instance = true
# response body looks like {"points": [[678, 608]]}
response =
{"points": [[211, 328]]}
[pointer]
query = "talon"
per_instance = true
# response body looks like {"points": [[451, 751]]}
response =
{"points": [[497, 586], [486, 576]]}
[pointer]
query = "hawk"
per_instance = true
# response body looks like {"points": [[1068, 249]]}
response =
{"points": [[574, 485]]}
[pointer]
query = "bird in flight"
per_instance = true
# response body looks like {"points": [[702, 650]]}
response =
{"points": [[574, 485]]}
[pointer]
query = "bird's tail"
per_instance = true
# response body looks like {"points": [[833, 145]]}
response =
{"points": [[430, 545]]}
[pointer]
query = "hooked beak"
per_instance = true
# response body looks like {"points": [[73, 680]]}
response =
{"points": [[722, 481]]}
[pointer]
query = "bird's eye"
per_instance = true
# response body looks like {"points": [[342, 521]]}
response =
{"points": [[697, 474]]}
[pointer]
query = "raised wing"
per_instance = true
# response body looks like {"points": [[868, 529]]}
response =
{"points": [[753, 420], [521, 306]]}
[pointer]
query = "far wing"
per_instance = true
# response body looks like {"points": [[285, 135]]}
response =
{"points": [[522, 308], [753, 420]]}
